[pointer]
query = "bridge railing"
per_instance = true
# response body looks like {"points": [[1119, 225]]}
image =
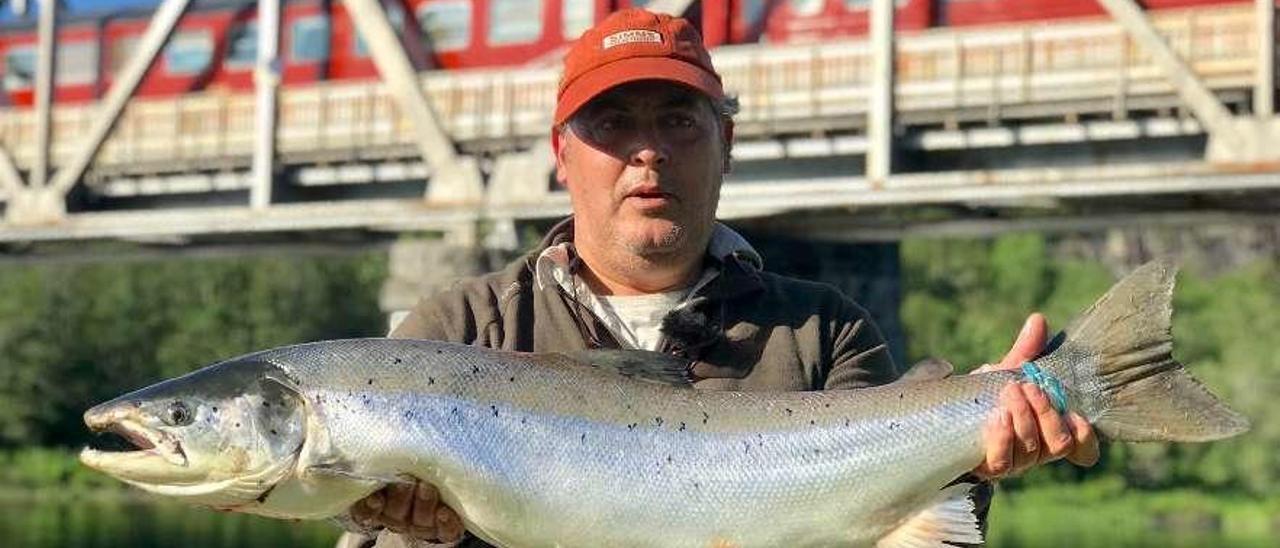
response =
{"points": [[944, 76]]}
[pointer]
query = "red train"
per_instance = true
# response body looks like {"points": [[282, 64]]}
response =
{"points": [[215, 43]]}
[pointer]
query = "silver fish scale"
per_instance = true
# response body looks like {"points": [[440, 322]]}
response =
{"points": [[537, 453]]}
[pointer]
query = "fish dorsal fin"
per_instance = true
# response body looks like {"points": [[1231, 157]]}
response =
{"points": [[948, 521], [640, 364], [928, 369]]}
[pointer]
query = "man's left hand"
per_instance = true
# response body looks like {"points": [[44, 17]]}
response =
{"points": [[1026, 431]]}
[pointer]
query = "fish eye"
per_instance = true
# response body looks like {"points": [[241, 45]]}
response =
{"points": [[178, 414]]}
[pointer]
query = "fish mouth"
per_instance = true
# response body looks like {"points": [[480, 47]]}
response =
{"points": [[124, 447]]}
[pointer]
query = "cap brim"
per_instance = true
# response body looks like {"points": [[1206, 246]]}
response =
{"points": [[614, 74]]}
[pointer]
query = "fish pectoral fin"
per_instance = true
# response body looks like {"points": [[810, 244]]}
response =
{"points": [[639, 364], [338, 471], [951, 519]]}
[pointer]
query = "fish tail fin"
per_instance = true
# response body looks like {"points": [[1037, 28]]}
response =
{"points": [[1116, 363]]}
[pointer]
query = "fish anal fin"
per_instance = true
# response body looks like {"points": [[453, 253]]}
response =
{"points": [[639, 364], [928, 369], [949, 521]]}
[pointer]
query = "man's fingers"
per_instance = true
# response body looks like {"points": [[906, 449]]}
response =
{"points": [[1054, 432], [365, 510], [448, 526], [1027, 452], [399, 503], [1030, 341], [998, 439], [424, 508], [1086, 442]]}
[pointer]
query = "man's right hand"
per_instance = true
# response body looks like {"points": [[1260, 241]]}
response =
{"points": [[413, 510]]}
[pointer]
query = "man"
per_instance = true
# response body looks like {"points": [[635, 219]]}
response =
{"points": [[642, 137]]}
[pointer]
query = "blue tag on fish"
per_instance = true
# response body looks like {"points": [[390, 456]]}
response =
{"points": [[1048, 383]]}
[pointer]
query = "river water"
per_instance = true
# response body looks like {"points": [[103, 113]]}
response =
{"points": [[99, 522]]}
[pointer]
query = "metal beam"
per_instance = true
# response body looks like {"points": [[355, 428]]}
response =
{"points": [[1203, 103], [45, 60], [1264, 91], [880, 113], [10, 179], [162, 24], [455, 178], [266, 78]]}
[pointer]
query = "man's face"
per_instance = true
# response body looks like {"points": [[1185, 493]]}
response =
{"points": [[643, 164]]}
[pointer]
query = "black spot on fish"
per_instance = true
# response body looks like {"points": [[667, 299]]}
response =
{"points": [[370, 382], [408, 414], [682, 427], [494, 408], [697, 485], [431, 380], [633, 426], [215, 409], [670, 460], [266, 403], [237, 425], [811, 422], [705, 417], [657, 421], [900, 394], [512, 379], [975, 401], [746, 448], [397, 360], [438, 351], [827, 405], [524, 420], [475, 369], [789, 411], [583, 438], [273, 432], [893, 426], [817, 451]]}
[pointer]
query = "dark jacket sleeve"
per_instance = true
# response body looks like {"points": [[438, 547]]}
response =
{"points": [[467, 312], [859, 354]]}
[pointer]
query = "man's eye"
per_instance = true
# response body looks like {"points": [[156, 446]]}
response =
{"points": [[681, 121]]}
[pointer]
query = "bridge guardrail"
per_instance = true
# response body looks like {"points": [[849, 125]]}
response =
{"points": [[943, 76]]}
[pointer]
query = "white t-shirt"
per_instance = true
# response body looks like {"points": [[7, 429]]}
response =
{"points": [[636, 319]]}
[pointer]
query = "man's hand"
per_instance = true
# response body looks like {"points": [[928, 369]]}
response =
{"points": [[413, 510], [1026, 430]]}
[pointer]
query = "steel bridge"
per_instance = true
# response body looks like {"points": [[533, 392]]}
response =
{"points": [[1130, 112]]}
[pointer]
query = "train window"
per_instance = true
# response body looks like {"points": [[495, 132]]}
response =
{"points": [[188, 52], [309, 39], [752, 12], [576, 17], [20, 68], [395, 15], [120, 52], [864, 5], [446, 25], [77, 63], [514, 21], [242, 45], [806, 7]]}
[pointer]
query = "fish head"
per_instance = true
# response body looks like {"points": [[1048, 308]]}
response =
{"points": [[222, 436]]}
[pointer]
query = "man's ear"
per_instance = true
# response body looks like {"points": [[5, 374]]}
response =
{"points": [[726, 128], [557, 148]]}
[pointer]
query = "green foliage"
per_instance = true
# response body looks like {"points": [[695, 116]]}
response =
{"points": [[74, 335], [964, 300]]}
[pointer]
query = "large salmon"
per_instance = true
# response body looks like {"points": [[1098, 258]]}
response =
{"points": [[614, 448]]}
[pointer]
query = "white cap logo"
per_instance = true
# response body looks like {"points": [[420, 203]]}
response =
{"points": [[631, 37]]}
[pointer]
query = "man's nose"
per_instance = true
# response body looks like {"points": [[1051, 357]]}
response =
{"points": [[649, 151]]}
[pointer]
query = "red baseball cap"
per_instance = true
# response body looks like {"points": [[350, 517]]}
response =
{"points": [[630, 45]]}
